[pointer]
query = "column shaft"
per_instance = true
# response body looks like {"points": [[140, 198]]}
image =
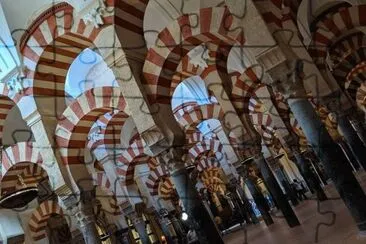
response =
{"points": [[276, 191], [334, 161], [355, 144], [140, 227], [260, 201], [90, 233], [198, 216], [305, 170]]}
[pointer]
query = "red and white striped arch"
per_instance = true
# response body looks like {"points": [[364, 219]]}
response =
{"points": [[74, 126], [21, 159], [6, 104], [38, 221], [109, 127], [333, 27], [30, 173], [52, 42], [22, 152], [244, 86], [177, 39], [207, 163], [203, 147], [356, 76], [155, 177], [190, 119], [361, 97], [166, 189], [343, 48], [271, 11]]}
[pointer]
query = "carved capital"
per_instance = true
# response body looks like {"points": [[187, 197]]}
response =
{"points": [[82, 220], [94, 13], [172, 159], [155, 141], [286, 77]]}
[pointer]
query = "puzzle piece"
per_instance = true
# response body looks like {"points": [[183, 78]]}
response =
{"points": [[173, 59]]}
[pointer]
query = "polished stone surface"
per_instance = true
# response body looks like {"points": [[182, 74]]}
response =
{"points": [[343, 231]]}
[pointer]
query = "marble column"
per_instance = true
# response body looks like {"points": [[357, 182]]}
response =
{"points": [[358, 126], [305, 170], [243, 204], [140, 227], [122, 236], [276, 190], [82, 213], [355, 144], [287, 78], [260, 201], [198, 216], [87, 227], [333, 159]]}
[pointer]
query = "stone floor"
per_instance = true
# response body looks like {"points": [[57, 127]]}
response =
{"points": [[342, 231]]}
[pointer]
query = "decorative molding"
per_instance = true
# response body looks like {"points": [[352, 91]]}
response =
{"points": [[199, 56], [155, 140], [95, 13], [271, 58], [40, 19]]}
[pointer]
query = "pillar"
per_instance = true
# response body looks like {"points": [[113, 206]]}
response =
{"points": [[305, 170], [287, 77], [242, 203], [276, 190], [260, 201], [140, 226], [198, 216], [354, 142], [358, 126], [334, 160], [122, 236], [86, 225]]}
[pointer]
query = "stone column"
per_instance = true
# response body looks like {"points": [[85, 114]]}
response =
{"points": [[241, 202], [276, 190], [198, 216], [260, 201], [358, 126], [140, 227], [355, 144], [305, 170], [86, 225], [287, 78], [85, 220], [122, 236]]}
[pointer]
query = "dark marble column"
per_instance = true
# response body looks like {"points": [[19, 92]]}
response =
{"points": [[198, 216], [276, 191], [305, 170], [358, 126], [355, 144], [122, 236], [86, 225], [260, 201], [245, 205], [334, 160], [140, 227]]}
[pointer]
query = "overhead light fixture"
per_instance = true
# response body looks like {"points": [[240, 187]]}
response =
{"points": [[184, 216], [19, 198], [247, 160]]}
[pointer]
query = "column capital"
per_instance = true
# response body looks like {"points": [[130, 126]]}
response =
{"points": [[286, 77], [82, 219], [154, 140], [337, 102], [172, 159]]}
